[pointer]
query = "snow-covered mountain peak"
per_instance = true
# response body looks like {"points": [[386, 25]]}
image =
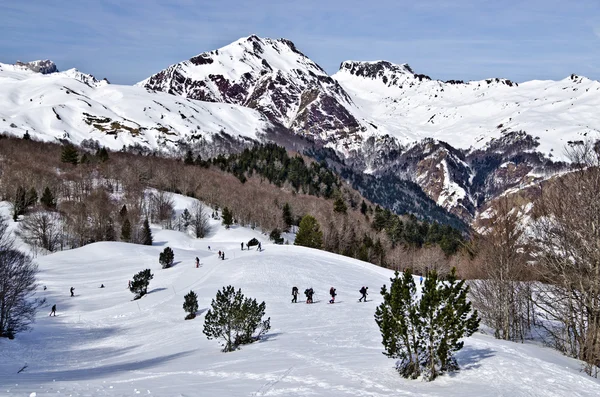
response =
{"points": [[84, 78]]}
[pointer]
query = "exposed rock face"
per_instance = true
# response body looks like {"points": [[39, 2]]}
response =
{"points": [[271, 76], [44, 67]]}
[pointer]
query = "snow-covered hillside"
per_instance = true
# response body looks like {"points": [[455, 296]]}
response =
{"points": [[75, 106], [104, 344]]}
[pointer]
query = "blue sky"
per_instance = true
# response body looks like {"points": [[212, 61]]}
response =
{"points": [[126, 41]]}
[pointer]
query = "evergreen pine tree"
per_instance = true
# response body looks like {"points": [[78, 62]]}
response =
{"points": [[235, 318], [139, 285], [166, 258], [48, 199], [102, 154], [69, 154], [126, 231], [339, 206], [146, 233], [309, 233], [84, 159], [123, 212], [186, 219], [275, 236], [425, 333], [288, 218], [227, 218], [190, 305], [32, 198], [363, 208], [189, 158]]}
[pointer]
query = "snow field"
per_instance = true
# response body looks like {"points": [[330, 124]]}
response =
{"points": [[104, 344]]}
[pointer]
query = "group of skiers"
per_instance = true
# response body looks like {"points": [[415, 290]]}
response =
{"points": [[222, 255], [309, 292]]}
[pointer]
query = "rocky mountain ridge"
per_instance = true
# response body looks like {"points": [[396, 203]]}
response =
{"points": [[463, 143]]}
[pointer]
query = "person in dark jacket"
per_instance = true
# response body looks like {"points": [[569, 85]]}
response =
{"points": [[72, 291], [295, 294], [333, 294], [309, 292], [53, 312], [364, 293]]}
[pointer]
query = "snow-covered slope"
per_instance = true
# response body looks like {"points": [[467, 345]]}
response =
{"points": [[104, 344], [75, 106]]}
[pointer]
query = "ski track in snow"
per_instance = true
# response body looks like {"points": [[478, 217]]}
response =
{"points": [[104, 344]]}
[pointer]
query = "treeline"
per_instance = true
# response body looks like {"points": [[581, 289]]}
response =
{"points": [[275, 164], [73, 196]]}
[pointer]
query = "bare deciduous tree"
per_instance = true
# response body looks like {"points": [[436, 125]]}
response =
{"points": [[42, 229], [17, 288], [199, 220], [567, 231], [502, 295]]}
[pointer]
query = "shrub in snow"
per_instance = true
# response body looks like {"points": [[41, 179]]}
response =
{"points": [[235, 319], [190, 305], [139, 285], [275, 236], [252, 242], [166, 258], [425, 332]]}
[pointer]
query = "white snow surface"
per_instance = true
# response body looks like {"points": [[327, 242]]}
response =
{"points": [[471, 114], [73, 104], [104, 344]]}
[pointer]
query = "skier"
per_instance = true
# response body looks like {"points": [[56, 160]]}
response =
{"points": [[259, 247], [72, 290], [209, 247], [295, 294], [45, 288], [129, 284], [364, 293], [53, 311], [333, 294], [242, 245], [197, 262], [219, 254], [421, 280], [223, 255]]}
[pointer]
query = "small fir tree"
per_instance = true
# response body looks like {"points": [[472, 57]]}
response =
{"points": [[166, 258], [363, 208], [190, 305], [235, 319], [146, 233], [339, 206], [189, 158], [309, 233], [126, 231], [275, 236], [26, 136], [69, 154], [186, 219], [123, 211], [47, 199], [227, 218], [288, 218], [139, 285], [102, 154]]}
